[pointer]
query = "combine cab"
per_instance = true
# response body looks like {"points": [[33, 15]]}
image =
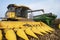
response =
{"points": [[16, 23]]}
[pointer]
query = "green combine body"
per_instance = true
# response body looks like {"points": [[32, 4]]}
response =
{"points": [[46, 18]]}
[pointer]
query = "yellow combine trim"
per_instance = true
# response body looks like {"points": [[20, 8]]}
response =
{"points": [[0, 35], [41, 30], [46, 26], [10, 35], [35, 30], [22, 34], [23, 28], [10, 14], [30, 32]]}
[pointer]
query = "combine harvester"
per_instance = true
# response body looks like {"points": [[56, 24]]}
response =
{"points": [[15, 23]]}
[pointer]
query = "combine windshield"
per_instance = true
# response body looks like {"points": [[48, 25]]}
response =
{"points": [[21, 12]]}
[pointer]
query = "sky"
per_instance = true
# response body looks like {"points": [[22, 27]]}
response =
{"points": [[48, 5]]}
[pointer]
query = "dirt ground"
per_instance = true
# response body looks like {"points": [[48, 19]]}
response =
{"points": [[53, 36]]}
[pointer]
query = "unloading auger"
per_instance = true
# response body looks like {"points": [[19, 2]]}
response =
{"points": [[15, 23]]}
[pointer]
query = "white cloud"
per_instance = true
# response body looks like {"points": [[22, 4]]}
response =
{"points": [[48, 6]]}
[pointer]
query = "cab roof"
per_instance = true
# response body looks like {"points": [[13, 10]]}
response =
{"points": [[16, 6]]}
